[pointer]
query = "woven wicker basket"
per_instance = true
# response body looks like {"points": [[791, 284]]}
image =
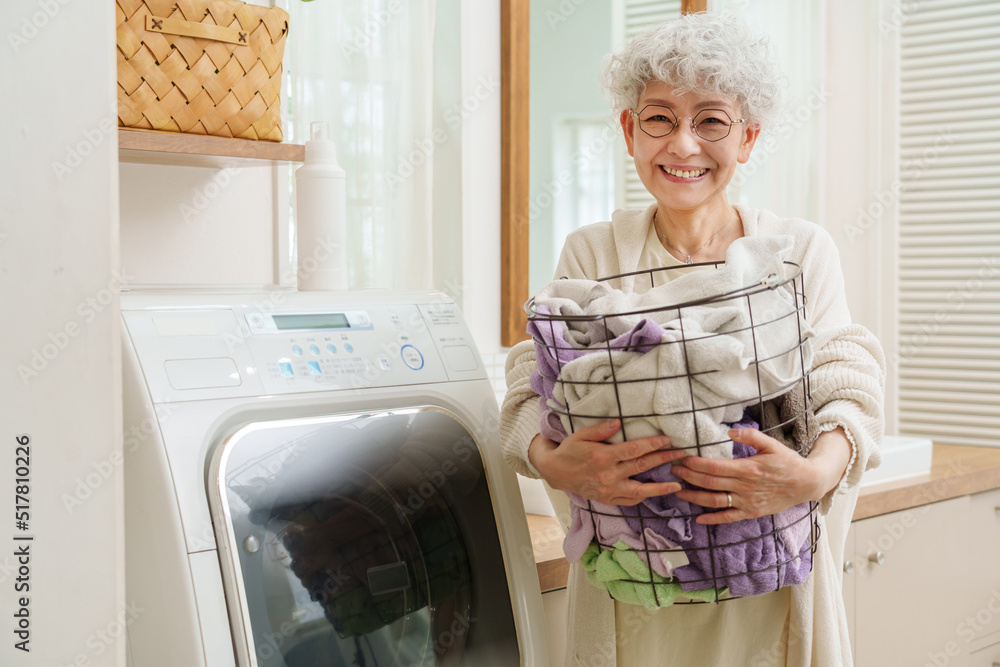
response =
{"points": [[201, 67]]}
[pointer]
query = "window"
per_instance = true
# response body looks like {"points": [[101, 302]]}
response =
{"points": [[949, 222]]}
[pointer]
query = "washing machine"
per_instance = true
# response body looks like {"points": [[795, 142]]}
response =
{"points": [[315, 479]]}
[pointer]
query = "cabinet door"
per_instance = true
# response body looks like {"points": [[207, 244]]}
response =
{"points": [[555, 603], [850, 576], [913, 578], [980, 627]]}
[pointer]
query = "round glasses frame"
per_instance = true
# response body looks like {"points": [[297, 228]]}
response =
{"points": [[677, 120]]}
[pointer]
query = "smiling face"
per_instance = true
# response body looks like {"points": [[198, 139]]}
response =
{"points": [[681, 170]]}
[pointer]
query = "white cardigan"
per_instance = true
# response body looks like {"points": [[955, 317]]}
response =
{"points": [[847, 383]]}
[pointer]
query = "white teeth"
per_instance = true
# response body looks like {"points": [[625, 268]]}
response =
{"points": [[684, 174]]}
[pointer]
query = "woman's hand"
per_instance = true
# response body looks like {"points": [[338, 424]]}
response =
{"points": [[772, 480], [589, 467]]}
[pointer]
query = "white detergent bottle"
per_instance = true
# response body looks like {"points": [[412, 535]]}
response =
{"points": [[321, 215]]}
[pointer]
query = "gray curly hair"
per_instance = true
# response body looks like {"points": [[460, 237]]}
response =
{"points": [[703, 52]]}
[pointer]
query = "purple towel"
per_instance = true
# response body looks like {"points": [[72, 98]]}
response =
{"points": [[611, 529], [751, 557], [553, 349]]}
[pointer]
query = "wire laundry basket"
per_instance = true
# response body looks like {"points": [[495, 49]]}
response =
{"points": [[690, 370]]}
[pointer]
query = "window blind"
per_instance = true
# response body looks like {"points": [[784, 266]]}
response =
{"points": [[641, 15], [949, 221]]}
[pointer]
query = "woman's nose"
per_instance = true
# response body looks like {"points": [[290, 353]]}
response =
{"points": [[683, 141]]}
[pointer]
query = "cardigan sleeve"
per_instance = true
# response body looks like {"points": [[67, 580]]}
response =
{"points": [[520, 412], [847, 378]]}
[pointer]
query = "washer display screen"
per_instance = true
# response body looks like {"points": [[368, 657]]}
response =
{"points": [[368, 541], [311, 321]]}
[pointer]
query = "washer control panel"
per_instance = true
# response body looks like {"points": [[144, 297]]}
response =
{"points": [[344, 349], [305, 343]]}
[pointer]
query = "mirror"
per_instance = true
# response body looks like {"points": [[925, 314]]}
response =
{"points": [[565, 176]]}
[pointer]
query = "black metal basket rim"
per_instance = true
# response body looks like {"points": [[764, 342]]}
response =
{"points": [[749, 290]]}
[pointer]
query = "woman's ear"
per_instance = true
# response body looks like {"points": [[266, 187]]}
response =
{"points": [[747, 141], [628, 128]]}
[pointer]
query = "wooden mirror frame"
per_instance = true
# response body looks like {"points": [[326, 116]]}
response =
{"points": [[515, 20]]}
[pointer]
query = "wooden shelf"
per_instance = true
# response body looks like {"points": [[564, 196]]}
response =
{"points": [[194, 150]]}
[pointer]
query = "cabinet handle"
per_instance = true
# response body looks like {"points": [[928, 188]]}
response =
{"points": [[878, 557], [849, 567]]}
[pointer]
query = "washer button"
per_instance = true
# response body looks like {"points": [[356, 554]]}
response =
{"points": [[412, 357], [314, 368], [286, 369], [332, 348], [297, 350], [314, 349], [348, 348]]}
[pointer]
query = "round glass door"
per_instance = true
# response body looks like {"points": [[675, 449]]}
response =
{"points": [[364, 541]]}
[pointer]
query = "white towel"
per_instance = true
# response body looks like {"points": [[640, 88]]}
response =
{"points": [[734, 349]]}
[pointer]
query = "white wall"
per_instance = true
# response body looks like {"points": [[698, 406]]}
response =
{"points": [[481, 174], [58, 285], [861, 140], [199, 225]]}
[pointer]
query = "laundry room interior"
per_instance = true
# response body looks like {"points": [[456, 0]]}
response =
{"points": [[264, 377]]}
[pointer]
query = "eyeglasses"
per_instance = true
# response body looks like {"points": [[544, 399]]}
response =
{"points": [[709, 124]]}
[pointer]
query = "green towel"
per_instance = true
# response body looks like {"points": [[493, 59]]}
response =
{"points": [[621, 571]]}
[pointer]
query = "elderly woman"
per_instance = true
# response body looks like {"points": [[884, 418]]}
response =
{"points": [[693, 96]]}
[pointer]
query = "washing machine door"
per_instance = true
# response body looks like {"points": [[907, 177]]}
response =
{"points": [[361, 540]]}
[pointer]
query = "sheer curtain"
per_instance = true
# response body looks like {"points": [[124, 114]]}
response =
{"points": [[784, 172], [367, 68]]}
